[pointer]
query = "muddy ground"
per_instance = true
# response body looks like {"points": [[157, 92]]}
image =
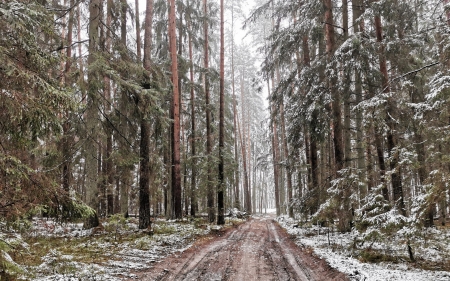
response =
{"points": [[256, 250]]}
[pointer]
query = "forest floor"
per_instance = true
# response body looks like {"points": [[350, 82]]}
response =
{"points": [[256, 250], [260, 248], [382, 260]]}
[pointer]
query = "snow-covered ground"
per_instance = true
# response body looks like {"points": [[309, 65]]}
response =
{"points": [[109, 253], [336, 249], [119, 248]]}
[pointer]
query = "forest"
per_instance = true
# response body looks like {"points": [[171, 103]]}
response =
{"points": [[335, 113]]}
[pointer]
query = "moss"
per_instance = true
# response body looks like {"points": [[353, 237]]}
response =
{"points": [[374, 256], [164, 228]]}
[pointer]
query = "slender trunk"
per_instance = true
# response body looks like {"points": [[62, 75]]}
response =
{"points": [[244, 164], [221, 185], [248, 145], [347, 95], [144, 178], [358, 27], [311, 139], [348, 190], [126, 170], [210, 187], [243, 135], [194, 205], [275, 155], [66, 141], [167, 182], [336, 104], [275, 152], [138, 31], [107, 160], [307, 129], [176, 173], [80, 54], [144, 145], [92, 115], [277, 116], [287, 160], [237, 203]]}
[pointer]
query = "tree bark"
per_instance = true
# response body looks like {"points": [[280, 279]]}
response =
{"points": [[92, 115], [144, 145], [138, 31], [363, 188], [287, 160], [176, 173], [336, 104], [66, 140], [221, 187], [126, 170], [237, 203], [347, 95], [275, 156], [210, 187], [194, 205]]}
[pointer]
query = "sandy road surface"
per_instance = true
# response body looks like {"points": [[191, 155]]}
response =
{"points": [[257, 250]]}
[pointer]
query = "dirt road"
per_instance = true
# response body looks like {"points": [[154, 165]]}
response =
{"points": [[256, 250]]}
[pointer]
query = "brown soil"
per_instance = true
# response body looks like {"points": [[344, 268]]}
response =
{"points": [[256, 250]]}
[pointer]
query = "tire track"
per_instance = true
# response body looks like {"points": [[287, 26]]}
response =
{"points": [[257, 250], [289, 259]]}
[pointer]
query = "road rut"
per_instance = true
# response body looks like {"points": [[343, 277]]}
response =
{"points": [[256, 250]]}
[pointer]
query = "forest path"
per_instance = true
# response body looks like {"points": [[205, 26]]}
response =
{"points": [[256, 250]]}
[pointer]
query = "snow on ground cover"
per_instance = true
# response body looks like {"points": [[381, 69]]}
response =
{"points": [[335, 248], [111, 254]]}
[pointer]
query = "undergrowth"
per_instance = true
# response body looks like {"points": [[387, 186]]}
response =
{"points": [[44, 251]]}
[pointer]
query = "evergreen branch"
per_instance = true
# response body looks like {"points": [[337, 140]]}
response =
{"points": [[337, 26], [409, 73], [66, 47], [114, 127], [415, 71], [65, 10]]}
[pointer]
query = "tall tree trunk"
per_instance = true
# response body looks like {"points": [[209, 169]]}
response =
{"points": [[347, 95], [176, 173], [337, 127], [391, 141], [275, 155], [237, 203], [310, 137], [92, 115], [244, 166], [144, 145], [66, 141], [138, 31], [243, 135], [107, 160], [126, 170], [210, 187], [358, 27], [80, 53], [221, 184], [287, 160], [194, 204], [144, 172], [336, 104]]}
